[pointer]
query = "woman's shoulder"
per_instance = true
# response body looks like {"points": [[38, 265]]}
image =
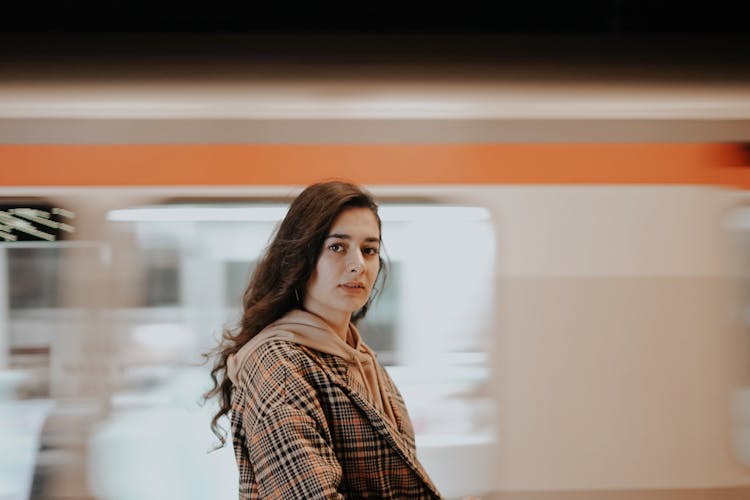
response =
{"points": [[280, 370], [278, 354]]}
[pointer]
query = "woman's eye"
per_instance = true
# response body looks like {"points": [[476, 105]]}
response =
{"points": [[371, 251], [336, 247]]}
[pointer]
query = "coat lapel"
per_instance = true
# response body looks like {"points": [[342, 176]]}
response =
{"points": [[382, 424]]}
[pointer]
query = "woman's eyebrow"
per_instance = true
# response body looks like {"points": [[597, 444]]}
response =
{"points": [[347, 237], [339, 235]]}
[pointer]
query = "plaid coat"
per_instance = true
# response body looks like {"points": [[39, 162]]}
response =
{"points": [[303, 428]]}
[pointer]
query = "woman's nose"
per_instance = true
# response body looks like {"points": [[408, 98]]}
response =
{"points": [[356, 263]]}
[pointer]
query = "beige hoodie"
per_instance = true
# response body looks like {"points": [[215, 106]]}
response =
{"points": [[304, 328]]}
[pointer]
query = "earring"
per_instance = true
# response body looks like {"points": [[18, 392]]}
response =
{"points": [[296, 295]]}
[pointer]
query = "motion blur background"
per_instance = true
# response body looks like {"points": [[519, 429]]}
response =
{"points": [[564, 190]]}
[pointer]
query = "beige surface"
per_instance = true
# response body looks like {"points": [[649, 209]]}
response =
{"points": [[616, 382], [370, 131]]}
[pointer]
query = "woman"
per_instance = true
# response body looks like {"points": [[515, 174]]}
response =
{"points": [[313, 413]]}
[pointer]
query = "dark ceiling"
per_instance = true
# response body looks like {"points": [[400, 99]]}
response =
{"points": [[384, 30], [605, 17]]}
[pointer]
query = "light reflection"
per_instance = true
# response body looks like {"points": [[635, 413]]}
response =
{"points": [[275, 212]]}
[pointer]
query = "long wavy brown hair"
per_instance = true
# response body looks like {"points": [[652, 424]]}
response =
{"points": [[278, 283]]}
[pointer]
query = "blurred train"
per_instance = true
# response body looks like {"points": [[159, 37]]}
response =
{"points": [[567, 310]]}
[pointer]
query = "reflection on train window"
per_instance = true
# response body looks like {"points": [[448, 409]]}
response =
{"points": [[42, 281], [162, 283], [33, 277], [237, 275], [379, 326]]}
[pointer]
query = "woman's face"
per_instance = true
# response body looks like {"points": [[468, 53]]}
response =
{"points": [[347, 267]]}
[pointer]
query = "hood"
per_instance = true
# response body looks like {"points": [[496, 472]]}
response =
{"points": [[304, 328], [307, 329]]}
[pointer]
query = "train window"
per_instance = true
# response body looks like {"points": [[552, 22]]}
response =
{"points": [[33, 276], [39, 311], [38, 262], [161, 286], [198, 257], [379, 326], [236, 276], [180, 270]]}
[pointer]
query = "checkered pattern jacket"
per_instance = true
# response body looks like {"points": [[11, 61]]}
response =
{"points": [[303, 428]]}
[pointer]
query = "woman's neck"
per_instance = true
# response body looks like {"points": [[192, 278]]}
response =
{"points": [[339, 323]]}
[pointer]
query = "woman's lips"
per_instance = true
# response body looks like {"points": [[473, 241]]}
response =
{"points": [[353, 286]]}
